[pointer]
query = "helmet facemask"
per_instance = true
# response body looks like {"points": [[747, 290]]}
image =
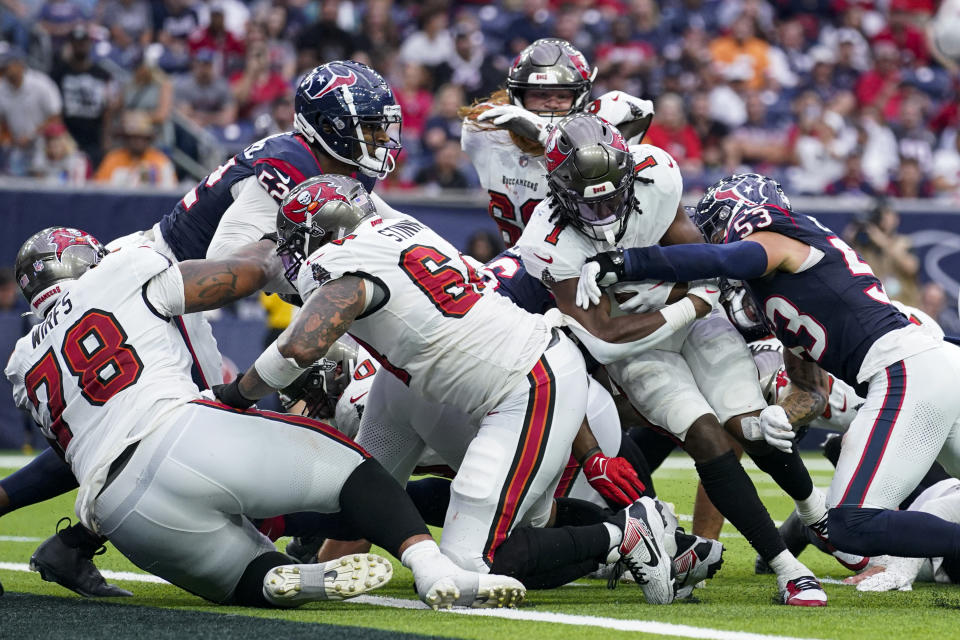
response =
{"points": [[601, 218]]}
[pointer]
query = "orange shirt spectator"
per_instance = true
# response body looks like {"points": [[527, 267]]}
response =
{"points": [[137, 163], [743, 43]]}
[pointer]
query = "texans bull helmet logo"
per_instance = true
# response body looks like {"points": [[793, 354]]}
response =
{"points": [[334, 81]]}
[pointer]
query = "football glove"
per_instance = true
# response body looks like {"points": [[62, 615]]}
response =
{"points": [[706, 290], [614, 479], [311, 388], [772, 425], [519, 121], [229, 394], [602, 270]]}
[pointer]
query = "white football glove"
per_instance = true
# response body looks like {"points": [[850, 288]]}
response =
{"points": [[620, 109], [649, 295], [588, 291], [518, 120], [706, 290], [772, 425]]}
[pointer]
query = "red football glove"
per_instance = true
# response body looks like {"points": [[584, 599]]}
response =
{"points": [[614, 479]]}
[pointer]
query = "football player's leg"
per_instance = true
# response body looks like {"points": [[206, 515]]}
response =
{"points": [[909, 418]]}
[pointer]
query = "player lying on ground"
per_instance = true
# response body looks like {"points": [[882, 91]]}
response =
{"points": [[168, 476], [404, 293], [832, 315], [699, 383]]}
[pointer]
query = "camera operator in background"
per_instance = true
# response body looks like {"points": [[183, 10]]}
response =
{"points": [[889, 253]]}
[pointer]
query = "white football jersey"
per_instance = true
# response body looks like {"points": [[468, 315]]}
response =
{"points": [[431, 322], [103, 368], [552, 252], [516, 181]]}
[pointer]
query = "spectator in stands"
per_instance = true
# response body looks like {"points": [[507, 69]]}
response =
{"points": [[215, 37], [174, 21], [880, 85], [905, 35], [57, 18], [259, 84], [910, 180], [204, 96], [644, 16], [727, 104], [671, 132], [852, 182], [569, 26], [946, 167], [888, 252], [533, 23], [880, 154], [89, 94], [821, 80], [914, 137], [852, 58], [10, 300], [432, 44], [414, 99], [61, 163], [740, 44], [149, 91], [136, 163], [469, 67], [325, 40], [933, 302], [629, 56], [759, 142], [821, 143], [29, 100], [279, 119], [130, 23], [483, 246], [444, 124], [281, 52], [445, 171], [710, 133]]}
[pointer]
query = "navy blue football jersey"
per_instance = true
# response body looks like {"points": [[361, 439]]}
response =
{"points": [[508, 277], [830, 313], [280, 162]]}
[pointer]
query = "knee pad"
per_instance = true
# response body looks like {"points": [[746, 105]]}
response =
{"points": [[855, 530]]}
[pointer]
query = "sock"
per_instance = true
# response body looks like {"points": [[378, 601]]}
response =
{"points": [[655, 445], [787, 567], [427, 563], [378, 508], [788, 471], [731, 492], [909, 534], [249, 591], [616, 536], [533, 555], [813, 508], [634, 455]]}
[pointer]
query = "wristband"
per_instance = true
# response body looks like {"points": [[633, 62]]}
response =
{"points": [[229, 394], [679, 314], [275, 370], [588, 455]]}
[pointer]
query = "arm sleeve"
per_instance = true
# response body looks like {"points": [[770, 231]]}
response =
{"points": [[607, 352], [252, 214], [164, 292], [685, 262]]}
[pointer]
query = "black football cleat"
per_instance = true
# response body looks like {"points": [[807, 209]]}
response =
{"points": [[67, 559]]}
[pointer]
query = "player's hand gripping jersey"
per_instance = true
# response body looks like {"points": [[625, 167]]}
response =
{"points": [[429, 319], [870, 333], [552, 252], [106, 365]]}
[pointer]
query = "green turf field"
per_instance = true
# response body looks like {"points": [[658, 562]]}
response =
{"points": [[736, 604]]}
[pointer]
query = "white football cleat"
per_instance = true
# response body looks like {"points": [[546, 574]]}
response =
{"points": [[642, 551], [696, 563], [474, 590], [804, 591], [291, 585]]}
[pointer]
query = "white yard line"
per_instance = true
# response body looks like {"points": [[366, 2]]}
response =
{"points": [[19, 539], [617, 624]]}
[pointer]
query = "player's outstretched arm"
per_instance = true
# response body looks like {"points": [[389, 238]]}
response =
{"points": [[211, 284], [326, 315]]}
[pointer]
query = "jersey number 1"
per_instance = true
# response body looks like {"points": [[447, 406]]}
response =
{"points": [[95, 351]]}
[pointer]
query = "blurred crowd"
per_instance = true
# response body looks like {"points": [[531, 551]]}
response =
{"points": [[829, 96]]}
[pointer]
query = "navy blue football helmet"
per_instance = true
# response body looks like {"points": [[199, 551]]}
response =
{"points": [[349, 110], [725, 198]]}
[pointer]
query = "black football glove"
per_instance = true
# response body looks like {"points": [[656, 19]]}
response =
{"points": [[229, 394], [611, 265]]}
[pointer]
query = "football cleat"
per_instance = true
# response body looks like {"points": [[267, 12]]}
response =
{"points": [[804, 591], [697, 562], [851, 561], [67, 559], [642, 551], [305, 548], [291, 585], [474, 590]]}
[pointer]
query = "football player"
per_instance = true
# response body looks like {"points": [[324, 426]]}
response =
{"points": [[407, 297], [503, 134], [832, 315], [169, 476], [693, 384], [347, 121]]}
